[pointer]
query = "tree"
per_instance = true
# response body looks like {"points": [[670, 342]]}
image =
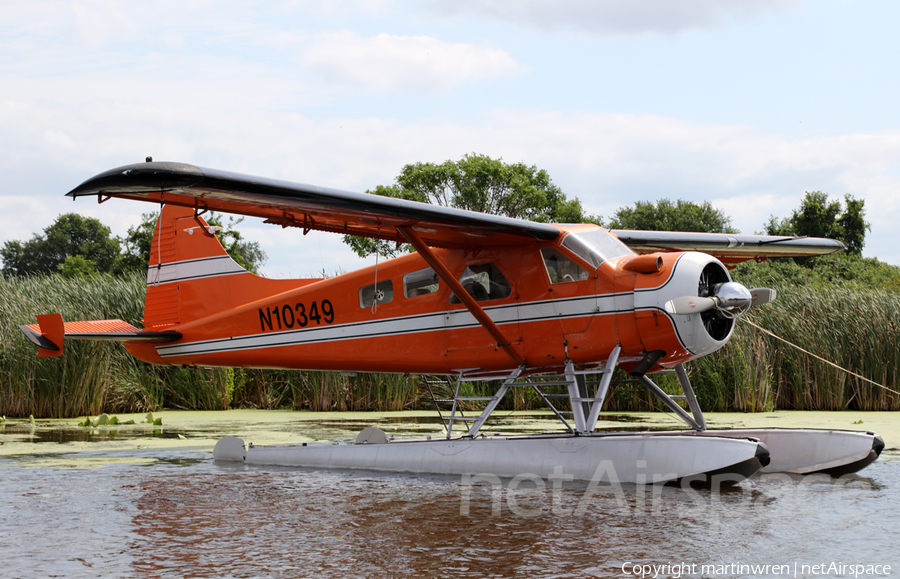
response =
{"points": [[667, 216], [478, 183], [76, 266], [137, 243], [71, 235], [818, 216]]}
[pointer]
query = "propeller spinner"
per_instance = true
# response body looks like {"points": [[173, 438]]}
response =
{"points": [[730, 298]]}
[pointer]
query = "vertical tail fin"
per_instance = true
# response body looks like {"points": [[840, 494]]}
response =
{"points": [[191, 276], [186, 270]]}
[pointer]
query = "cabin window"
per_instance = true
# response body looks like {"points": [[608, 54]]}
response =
{"points": [[560, 268], [417, 283], [483, 282], [595, 246], [382, 292]]}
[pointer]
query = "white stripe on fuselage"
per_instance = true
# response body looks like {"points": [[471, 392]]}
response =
{"points": [[189, 269], [448, 320]]}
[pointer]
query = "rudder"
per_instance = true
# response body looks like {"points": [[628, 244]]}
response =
{"points": [[187, 262], [191, 276]]}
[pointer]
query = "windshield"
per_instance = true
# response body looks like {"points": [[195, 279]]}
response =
{"points": [[595, 246]]}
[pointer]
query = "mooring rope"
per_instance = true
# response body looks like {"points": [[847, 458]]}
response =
{"points": [[375, 287], [158, 231], [820, 358]]}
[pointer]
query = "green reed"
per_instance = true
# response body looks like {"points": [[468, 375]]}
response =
{"points": [[851, 325], [76, 383], [335, 391]]}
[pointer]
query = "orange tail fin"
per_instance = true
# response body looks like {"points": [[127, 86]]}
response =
{"points": [[191, 276]]}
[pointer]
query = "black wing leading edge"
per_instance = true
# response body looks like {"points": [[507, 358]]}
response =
{"points": [[309, 207]]}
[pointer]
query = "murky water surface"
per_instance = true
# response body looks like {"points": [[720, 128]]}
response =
{"points": [[144, 502]]}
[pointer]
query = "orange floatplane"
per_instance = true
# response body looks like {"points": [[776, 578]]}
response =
{"points": [[483, 298]]}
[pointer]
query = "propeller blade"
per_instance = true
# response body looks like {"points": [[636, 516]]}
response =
{"points": [[762, 295], [687, 305]]}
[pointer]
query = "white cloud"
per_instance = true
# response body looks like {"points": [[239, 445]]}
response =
{"points": [[607, 160], [613, 17], [82, 97], [170, 23], [395, 64], [345, 9]]}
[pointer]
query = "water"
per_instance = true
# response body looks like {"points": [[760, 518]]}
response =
{"points": [[165, 511]]}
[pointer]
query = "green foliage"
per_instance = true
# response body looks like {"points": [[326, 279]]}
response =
{"points": [[478, 183], [103, 420], [667, 216], [136, 245], [818, 216], [71, 235], [77, 266], [79, 247], [197, 389], [827, 271], [843, 309]]}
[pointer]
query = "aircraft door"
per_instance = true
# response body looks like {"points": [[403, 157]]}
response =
{"points": [[573, 294], [491, 287]]}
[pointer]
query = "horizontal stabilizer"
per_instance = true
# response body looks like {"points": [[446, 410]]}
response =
{"points": [[50, 331]]}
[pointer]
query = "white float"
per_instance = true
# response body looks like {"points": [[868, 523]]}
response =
{"points": [[712, 456], [621, 457], [808, 451]]}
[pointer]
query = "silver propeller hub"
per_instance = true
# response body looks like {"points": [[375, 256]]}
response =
{"points": [[733, 297]]}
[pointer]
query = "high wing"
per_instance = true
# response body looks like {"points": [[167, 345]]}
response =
{"points": [[727, 247], [319, 208], [310, 207]]}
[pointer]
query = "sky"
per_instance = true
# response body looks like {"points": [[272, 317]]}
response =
{"points": [[744, 103]]}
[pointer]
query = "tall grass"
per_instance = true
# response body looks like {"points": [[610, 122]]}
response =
{"points": [[78, 382], [341, 392], [855, 327]]}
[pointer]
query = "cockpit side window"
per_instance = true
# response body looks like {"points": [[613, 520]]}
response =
{"points": [[483, 282], [421, 282], [560, 268]]}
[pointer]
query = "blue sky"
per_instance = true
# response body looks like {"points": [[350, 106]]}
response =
{"points": [[743, 103]]}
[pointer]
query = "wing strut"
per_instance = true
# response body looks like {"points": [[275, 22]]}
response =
{"points": [[425, 251]]}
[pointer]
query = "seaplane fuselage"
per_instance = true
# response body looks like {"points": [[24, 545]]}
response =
{"points": [[575, 298]]}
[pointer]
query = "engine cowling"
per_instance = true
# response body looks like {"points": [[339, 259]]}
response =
{"points": [[696, 277]]}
